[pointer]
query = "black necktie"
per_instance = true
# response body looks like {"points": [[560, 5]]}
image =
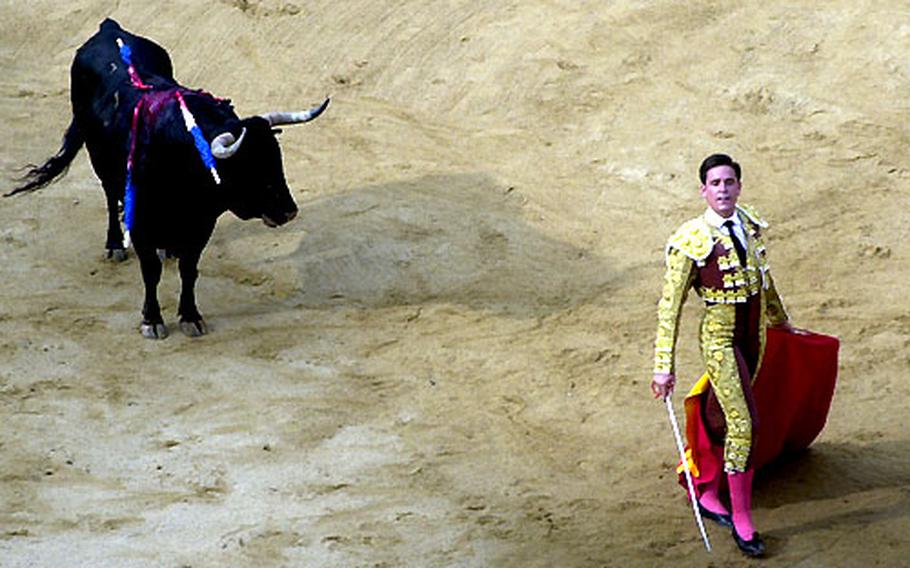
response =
{"points": [[740, 251]]}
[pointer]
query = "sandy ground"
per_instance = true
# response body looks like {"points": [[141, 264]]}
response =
{"points": [[444, 360]]}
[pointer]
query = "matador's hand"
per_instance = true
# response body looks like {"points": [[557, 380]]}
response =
{"points": [[786, 326], [662, 384], [790, 328]]}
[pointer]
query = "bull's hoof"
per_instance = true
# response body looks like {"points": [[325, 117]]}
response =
{"points": [[117, 254], [194, 328], [153, 330]]}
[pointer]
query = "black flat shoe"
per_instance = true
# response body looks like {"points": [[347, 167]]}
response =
{"points": [[724, 520], [754, 547]]}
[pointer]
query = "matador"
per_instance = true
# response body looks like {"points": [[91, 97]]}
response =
{"points": [[722, 255]]}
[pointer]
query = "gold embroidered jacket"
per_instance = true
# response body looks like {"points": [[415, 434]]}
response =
{"points": [[699, 255]]}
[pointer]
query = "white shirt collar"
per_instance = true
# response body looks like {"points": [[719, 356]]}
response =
{"points": [[715, 220]]}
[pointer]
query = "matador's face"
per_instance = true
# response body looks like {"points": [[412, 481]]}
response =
{"points": [[721, 190]]}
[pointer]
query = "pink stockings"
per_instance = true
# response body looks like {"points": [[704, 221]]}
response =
{"points": [[741, 502], [710, 497], [709, 493]]}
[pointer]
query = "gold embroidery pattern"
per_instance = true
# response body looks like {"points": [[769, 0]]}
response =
{"points": [[774, 306], [717, 328], [732, 296], [693, 239], [677, 281], [752, 215]]}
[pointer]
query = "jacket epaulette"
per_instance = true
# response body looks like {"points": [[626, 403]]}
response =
{"points": [[693, 239], [751, 214]]}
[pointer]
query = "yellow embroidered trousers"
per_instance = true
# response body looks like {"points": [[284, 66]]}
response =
{"points": [[731, 375]]}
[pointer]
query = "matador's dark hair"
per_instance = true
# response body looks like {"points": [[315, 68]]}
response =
{"points": [[715, 160]]}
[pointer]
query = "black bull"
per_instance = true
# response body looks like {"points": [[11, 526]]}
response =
{"points": [[176, 198]]}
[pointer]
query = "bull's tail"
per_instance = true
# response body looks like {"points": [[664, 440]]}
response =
{"points": [[55, 166]]}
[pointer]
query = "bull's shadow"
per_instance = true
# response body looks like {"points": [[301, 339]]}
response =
{"points": [[460, 239]]}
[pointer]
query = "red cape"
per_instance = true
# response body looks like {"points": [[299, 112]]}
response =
{"points": [[793, 393]]}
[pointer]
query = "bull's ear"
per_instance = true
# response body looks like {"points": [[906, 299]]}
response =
{"points": [[277, 131]]}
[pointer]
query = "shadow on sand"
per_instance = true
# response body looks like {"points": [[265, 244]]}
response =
{"points": [[834, 470], [458, 239], [838, 472]]}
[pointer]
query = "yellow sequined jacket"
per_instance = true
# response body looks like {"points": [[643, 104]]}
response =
{"points": [[699, 255]]}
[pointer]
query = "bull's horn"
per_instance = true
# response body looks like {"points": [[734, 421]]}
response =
{"points": [[279, 118], [225, 145]]}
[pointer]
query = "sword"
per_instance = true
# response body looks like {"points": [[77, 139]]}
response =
{"points": [[685, 462]]}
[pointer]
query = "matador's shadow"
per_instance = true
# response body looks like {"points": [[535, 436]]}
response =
{"points": [[461, 239], [835, 471], [831, 470]]}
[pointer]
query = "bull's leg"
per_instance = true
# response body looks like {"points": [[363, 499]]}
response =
{"points": [[191, 322], [111, 170], [152, 326], [114, 244]]}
